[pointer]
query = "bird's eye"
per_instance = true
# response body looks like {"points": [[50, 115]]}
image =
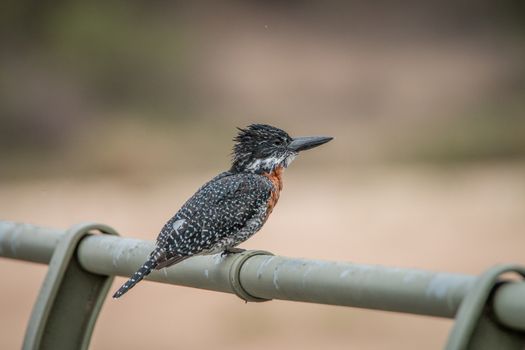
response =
{"points": [[277, 142]]}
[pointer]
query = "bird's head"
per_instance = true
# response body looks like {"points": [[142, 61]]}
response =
{"points": [[261, 148]]}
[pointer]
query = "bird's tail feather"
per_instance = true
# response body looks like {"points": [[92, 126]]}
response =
{"points": [[144, 270]]}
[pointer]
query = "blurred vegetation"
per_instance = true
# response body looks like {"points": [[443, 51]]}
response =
{"points": [[112, 88], [492, 133], [68, 62]]}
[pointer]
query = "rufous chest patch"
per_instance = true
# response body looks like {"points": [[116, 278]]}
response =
{"points": [[276, 178]]}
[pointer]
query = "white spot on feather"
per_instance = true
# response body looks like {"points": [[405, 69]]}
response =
{"points": [[177, 225]]}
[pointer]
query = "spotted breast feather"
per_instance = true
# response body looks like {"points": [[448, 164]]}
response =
{"points": [[222, 214]]}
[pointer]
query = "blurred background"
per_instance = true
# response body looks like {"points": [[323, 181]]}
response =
{"points": [[116, 112]]}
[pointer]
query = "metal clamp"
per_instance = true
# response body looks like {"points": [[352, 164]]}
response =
{"points": [[70, 298], [476, 326], [235, 274]]}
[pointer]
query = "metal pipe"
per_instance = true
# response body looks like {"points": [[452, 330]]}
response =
{"points": [[366, 286], [274, 277], [28, 242]]}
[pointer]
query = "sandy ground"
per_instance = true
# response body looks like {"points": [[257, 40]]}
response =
{"points": [[458, 220]]}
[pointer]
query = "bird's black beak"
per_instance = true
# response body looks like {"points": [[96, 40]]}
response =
{"points": [[303, 143]]}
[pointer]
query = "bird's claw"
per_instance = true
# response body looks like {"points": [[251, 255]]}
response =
{"points": [[230, 251]]}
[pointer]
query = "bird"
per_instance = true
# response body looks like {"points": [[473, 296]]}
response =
{"points": [[232, 206]]}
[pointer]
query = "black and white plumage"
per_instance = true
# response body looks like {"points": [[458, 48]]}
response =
{"points": [[231, 207]]}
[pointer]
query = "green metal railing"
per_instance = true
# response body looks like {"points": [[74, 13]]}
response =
{"points": [[489, 311]]}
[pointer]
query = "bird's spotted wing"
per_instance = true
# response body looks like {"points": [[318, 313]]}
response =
{"points": [[221, 211]]}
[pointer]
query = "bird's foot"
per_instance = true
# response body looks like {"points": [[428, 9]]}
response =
{"points": [[229, 251]]}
